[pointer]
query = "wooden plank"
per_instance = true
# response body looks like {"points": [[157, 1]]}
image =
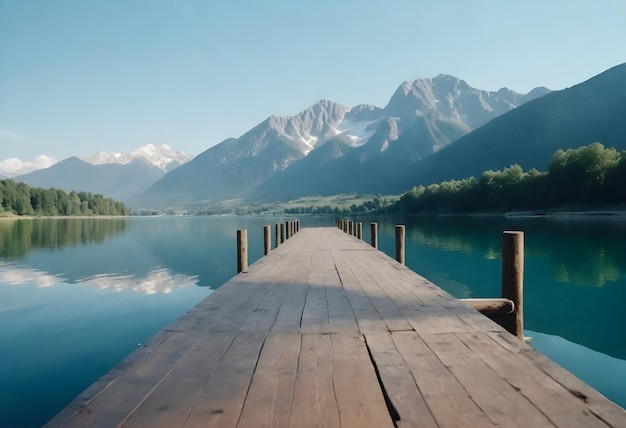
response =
{"points": [[558, 404], [227, 311], [315, 314], [63, 417], [171, 401], [385, 306], [368, 319], [399, 385], [263, 316], [268, 403], [290, 313], [221, 402], [126, 392], [502, 404], [314, 403], [449, 402], [599, 405], [359, 396], [340, 315]]}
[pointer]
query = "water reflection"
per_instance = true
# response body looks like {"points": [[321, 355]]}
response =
{"points": [[586, 253], [15, 276], [20, 236], [157, 281]]}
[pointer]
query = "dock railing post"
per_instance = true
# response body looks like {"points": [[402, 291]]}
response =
{"points": [[400, 243], [513, 279], [374, 234], [277, 233], [359, 230], [283, 233], [354, 228], [345, 226], [242, 250], [267, 241], [286, 230]]}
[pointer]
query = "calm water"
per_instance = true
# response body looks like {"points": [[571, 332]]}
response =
{"points": [[77, 296]]}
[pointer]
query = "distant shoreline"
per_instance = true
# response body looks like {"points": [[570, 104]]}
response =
{"points": [[613, 214], [60, 217]]}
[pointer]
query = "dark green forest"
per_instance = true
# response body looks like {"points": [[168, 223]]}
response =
{"points": [[22, 200], [587, 177]]}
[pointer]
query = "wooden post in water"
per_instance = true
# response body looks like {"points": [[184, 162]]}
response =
{"points": [[374, 234], [354, 228], [359, 230], [400, 243], [277, 233], [513, 279], [242, 250], [286, 230], [282, 233], [267, 241]]}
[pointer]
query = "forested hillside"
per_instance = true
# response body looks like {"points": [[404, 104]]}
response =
{"points": [[589, 176], [21, 199]]}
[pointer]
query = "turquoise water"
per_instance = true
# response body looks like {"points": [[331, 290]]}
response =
{"points": [[77, 296]]}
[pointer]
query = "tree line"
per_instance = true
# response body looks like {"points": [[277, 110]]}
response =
{"points": [[584, 177], [373, 205], [22, 200]]}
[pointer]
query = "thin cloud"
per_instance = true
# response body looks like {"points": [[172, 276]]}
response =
{"points": [[10, 137]]}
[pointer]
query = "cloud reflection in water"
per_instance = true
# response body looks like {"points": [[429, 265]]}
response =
{"points": [[157, 281]]}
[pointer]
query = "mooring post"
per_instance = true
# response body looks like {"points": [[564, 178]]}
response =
{"points": [[359, 230], [277, 233], [400, 243], [374, 233], [242, 250], [513, 279], [267, 241]]}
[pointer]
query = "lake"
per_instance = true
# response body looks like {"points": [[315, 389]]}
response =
{"points": [[78, 295]]}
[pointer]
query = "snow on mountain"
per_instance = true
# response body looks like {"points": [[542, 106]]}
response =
{"points": [[325, 120], [162, 156]]}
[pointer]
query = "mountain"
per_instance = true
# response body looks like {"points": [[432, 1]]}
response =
{"points": [[585, 113], [119, 181], [162, 156], [330, 148]]}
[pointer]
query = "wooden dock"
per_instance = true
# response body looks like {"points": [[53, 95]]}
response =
{"points": [[326, 331]]}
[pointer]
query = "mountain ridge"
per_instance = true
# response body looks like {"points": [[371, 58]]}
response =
{"points": [[247, 167]]}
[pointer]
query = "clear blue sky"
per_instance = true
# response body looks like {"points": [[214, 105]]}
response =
{"points": [[82, 76]]}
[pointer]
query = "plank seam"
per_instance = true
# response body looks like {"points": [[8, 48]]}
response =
{"points": [[393, 412]]}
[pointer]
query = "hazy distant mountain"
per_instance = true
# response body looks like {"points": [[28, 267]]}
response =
{"points": [[121, 182], [327, 148], [162, 156], [594, 110]]}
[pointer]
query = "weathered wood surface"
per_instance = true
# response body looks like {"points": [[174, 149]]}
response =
{"points": [[326, 331]]}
